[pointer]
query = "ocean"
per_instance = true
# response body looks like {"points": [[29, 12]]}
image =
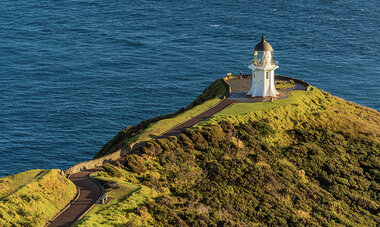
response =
{"points": [[74, 73]]}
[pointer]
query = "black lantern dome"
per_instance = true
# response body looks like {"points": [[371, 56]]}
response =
{"points": [[263, 45]]}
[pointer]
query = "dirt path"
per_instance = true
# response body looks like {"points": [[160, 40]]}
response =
{"points": [[89, 194]]}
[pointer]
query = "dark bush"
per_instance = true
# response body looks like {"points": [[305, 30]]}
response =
{"points": [[185, 141], [199, 142], [112, 170], [151, 148], [263, 128], [135, 164]]}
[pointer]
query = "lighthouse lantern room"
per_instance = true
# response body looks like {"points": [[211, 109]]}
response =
{"points": [[263, 67]]}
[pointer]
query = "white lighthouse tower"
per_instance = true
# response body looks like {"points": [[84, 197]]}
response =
{"points": [[263, 68]]}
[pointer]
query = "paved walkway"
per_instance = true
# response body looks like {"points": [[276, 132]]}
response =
{"points": [[89, 194], [201, 117]]}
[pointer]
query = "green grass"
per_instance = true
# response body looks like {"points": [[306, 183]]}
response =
{"points": [[151, 128], [241, 109], [312, 107], [126, 197], [158, 128], [33, 197], [12, 183]]}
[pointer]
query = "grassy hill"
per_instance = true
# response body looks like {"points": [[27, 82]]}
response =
{"points": [[149, 129], [33, 197], [311, 159]]}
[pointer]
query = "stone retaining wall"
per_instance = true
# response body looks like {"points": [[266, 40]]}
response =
{"points": [[97, 162]]}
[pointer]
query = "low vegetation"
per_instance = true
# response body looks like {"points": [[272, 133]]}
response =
{"points": [[284, 84], [125, 197], [33, 197], [154, 127], [243, 110], [311, 159]]}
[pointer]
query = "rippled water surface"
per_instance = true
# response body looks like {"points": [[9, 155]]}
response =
{"points": [[74, 73]]}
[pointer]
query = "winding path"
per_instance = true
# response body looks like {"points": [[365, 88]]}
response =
{"points": [[89, 194], [90, 191]]}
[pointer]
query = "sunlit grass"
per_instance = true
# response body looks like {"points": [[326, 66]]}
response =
{"points": [[126, 197], [240, 109], [313, 106], [31, 198], [158, 128], [12, 183]]}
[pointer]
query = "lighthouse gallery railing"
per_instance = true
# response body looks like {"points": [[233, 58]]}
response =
{"points": [[262, 63]]}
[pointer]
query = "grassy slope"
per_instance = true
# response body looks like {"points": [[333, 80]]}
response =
{"points": [[240, 109], [10, 184], [126, 197], [307, 108], [31, 198], [312, 159], [148, 129], [159, 127]]}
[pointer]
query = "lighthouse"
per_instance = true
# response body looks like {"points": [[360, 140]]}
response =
{"points": [[263, 67]]}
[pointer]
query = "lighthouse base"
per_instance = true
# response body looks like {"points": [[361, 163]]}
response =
{"points": [[263, 82]]}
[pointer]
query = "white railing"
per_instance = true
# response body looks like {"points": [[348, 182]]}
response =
{"points": [[262, 63]]}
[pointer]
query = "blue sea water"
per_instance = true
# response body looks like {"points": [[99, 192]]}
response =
{"points": [[74, 73]]}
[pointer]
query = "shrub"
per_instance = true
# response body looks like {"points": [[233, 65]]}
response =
{"points": [[151, 148], [283, 84], [112, 170], [199, 141], [135, 164], [263, 128]]}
